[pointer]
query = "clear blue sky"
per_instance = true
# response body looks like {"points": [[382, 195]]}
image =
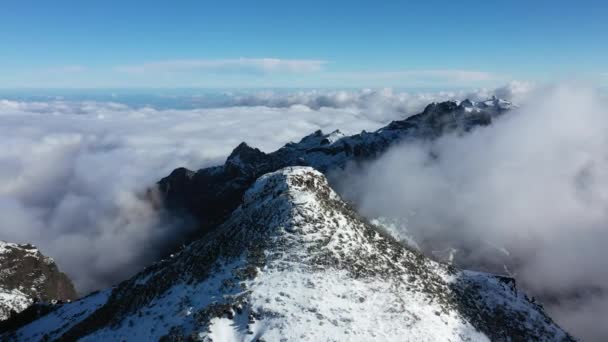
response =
{"points": [[299, 43]]}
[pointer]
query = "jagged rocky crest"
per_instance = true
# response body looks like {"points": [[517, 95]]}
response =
{"points": [[27, 276], [211, 194], [294, 262]]}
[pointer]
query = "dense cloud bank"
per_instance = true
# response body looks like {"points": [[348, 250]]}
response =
{"points": [[74, 174], [533, 187], [382, 104]]}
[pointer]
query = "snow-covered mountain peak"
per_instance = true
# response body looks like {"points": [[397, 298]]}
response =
{"points": [[294, 262], [292, 181]]}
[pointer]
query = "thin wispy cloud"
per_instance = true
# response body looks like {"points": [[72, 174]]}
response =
{"points": [[225, 65], [418, 77], [250, 73], [313, 73], [65, 69]]}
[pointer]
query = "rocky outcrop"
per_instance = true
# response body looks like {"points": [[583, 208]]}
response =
{"points": [[27, 276]]}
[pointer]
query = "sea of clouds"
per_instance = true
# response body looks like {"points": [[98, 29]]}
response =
{"points": [[74, 173], [75, 178]]}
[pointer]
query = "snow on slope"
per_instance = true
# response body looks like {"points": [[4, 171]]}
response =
{"points": [[12, 301], [295, 263]]}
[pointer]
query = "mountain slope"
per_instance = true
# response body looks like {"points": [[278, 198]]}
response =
{"points": [[294, 262], [27, 276], [211, 194]]}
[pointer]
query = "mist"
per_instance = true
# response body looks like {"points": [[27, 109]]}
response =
{"points": [[526, 196]]}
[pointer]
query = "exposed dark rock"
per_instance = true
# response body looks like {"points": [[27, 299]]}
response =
{"points": [[27, 276]]}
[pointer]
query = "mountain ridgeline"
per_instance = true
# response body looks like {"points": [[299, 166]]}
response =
{"points": [[211, 194]]}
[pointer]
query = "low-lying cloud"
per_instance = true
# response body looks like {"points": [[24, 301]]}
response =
{"points": [[382, 105], [74, 174], [530, 191]]}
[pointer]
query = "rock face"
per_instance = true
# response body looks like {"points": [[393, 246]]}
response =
{"points": [[27, 276], [294, 262], [211, 194]]}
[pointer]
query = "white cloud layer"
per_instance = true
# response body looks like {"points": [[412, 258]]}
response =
{"points": [[535, 183], [226, 65], [382, 105]]}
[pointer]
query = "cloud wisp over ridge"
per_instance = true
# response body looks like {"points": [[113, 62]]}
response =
{"points": [[530, 188]]}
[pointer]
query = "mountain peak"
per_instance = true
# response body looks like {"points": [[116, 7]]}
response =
{"points": [[466, 103], [244, 152], [294, 262], [287, 179], [440, 107], [244, 159]]}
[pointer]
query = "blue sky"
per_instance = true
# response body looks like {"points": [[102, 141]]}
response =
{"points": [[224, 44]]}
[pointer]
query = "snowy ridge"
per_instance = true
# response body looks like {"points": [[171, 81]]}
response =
{"points": [[293, 262]]}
